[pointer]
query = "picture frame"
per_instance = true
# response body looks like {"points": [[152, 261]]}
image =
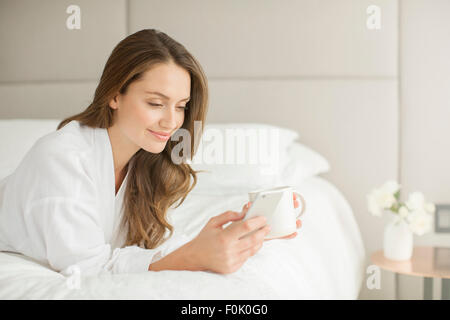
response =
{"points": [[442, 218], [441, 261]]}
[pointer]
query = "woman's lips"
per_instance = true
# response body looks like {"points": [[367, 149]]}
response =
{"points": [[160, 137]]}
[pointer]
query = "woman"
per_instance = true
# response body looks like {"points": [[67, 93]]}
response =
{"points": [[94, 194]]}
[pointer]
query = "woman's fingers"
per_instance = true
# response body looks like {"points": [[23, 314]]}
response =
{"points": [[242, 228], [246, 207], [248, 243], [296, 202], [253, 239], [224, 218], [292, 235]]}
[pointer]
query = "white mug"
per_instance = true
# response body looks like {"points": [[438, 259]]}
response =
{"points": [[277, 205]]}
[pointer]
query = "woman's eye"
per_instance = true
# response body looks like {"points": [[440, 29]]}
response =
{"points": [[160, 105]]}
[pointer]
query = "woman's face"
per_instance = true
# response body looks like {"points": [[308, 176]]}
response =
{"points": [[155, 103]]}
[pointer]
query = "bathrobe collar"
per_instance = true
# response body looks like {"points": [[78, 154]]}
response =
{"points": [[105, 165]]}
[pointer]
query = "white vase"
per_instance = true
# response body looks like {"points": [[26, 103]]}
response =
{"points": [[398, 240]]}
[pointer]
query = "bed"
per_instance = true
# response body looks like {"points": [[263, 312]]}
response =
{"points": [[325, 260]]}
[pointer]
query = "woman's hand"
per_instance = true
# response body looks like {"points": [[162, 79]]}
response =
{"points": [[298, 222], [224, 250], [218, 249]]}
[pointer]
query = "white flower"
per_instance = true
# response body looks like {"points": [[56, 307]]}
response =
{"points": [[416, 212], [403, 212], [380, 199], [390, 187], [416, 201], [420, 222]]}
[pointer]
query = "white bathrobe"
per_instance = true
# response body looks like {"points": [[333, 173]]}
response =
{"points": [[59, 207]]}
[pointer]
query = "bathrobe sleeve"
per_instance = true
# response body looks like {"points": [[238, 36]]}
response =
{"points": [[69, 234], [66, 227]]}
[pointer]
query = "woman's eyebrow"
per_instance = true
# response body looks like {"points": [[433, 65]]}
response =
{"points": [[164, 96]]}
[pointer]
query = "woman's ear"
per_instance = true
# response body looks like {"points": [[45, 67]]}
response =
{"points": [[114, 102]]}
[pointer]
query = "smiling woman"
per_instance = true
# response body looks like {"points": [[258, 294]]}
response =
{"points": [[95, 193], [148, 61], [79, 190]]}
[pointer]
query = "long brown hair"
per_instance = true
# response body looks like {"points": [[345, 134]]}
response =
{"points": [[154, 182]]}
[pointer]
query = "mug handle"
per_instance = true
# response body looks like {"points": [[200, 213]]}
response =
{"points": [[302, 200]]}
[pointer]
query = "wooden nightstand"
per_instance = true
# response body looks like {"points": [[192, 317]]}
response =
{"points": [[426, 262]]}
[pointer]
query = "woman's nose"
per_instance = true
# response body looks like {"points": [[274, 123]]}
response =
{"points": [[169, 118]]}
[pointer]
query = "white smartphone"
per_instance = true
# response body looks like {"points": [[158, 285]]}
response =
{"points": [[264, 205]]}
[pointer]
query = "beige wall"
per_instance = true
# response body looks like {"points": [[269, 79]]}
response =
{"points": [[309, 65], [425, 113]]}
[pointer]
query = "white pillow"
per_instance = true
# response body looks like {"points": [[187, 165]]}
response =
{"points": [[17, 137], [300, 162], [223, 145], [303, 162]]}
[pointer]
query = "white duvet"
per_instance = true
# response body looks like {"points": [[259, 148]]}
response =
{"points": [[325, 260]]}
